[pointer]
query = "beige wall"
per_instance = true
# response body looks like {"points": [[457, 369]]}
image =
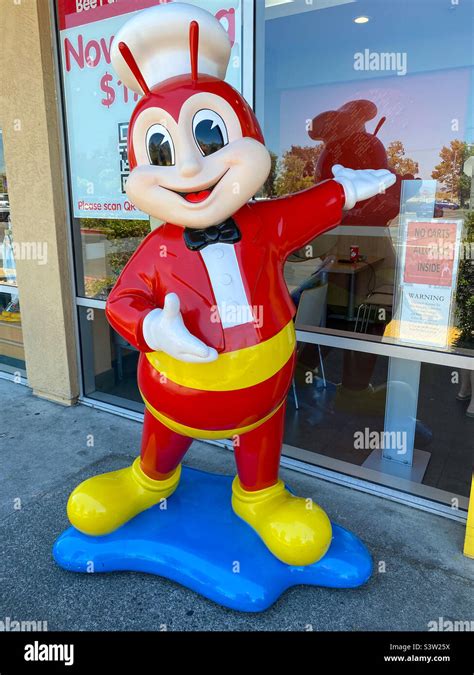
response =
{"points": [[31, 133]]}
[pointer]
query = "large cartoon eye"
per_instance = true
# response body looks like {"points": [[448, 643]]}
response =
{"points": [[210, 132], [159, 145]]}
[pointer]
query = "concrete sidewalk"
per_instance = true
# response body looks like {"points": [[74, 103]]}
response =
{"points": [[45, 454]]}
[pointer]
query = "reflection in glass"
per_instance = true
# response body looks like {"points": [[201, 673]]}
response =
{"points": [[12, 354], [106, 247], [7, 256], [362, 111], [343, 410], [109, 362]]}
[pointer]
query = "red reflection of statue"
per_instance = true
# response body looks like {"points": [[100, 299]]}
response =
{"points": [[347, 142]]}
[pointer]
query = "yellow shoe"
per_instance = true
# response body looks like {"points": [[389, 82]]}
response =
{"points": [[296, 531], [103, 503]]}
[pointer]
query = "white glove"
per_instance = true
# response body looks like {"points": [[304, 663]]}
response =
{"points": [[164, 330], [360, 184]]}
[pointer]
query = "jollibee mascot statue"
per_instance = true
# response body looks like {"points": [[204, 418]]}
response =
{"points": [[203, 298]]}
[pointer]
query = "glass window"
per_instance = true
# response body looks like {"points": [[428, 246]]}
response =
{"points": [[105, 248], [7, 268], [109, 362], [368, 85], [12, 355], [373, 85], [399, 423]]}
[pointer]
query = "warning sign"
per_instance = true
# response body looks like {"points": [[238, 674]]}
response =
{"points": [[426, 281]]}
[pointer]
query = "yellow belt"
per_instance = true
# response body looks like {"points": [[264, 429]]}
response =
{"points": [[206, 434], [231, 370]]}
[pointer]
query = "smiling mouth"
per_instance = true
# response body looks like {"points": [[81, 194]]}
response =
{"points": [[197, 196]]}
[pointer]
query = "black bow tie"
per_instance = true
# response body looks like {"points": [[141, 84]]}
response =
{"points": [[225, 233]]}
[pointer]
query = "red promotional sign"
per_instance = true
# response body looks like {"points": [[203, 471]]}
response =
{"points": [[430, 253], [72, 13], [79, 12]]}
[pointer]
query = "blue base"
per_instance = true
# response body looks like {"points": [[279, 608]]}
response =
{"points": [[200, 543]]}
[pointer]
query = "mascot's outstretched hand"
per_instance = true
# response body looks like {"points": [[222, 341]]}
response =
{"points": [[360, 184], [164, 330]]}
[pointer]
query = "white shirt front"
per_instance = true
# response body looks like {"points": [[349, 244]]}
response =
{"points": [[226, 281]]}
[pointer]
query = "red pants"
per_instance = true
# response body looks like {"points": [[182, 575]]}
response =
{"points": [[257, 453]]}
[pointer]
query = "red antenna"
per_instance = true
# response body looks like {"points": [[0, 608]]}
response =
{"points": [[133, 65], [381, 121], [194, 49]]}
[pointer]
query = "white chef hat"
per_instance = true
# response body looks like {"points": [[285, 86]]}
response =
{"points": [[158, 39]]}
